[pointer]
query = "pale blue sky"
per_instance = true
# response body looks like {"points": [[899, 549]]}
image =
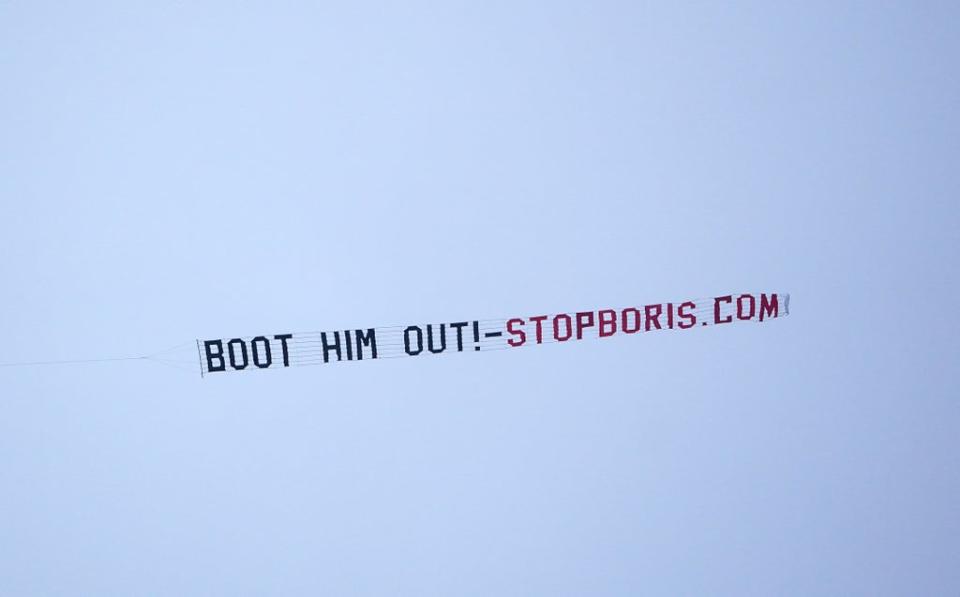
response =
{"points": [[171, 171]]}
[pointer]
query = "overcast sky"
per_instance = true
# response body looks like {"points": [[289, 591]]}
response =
{"points": [[173, 171]]}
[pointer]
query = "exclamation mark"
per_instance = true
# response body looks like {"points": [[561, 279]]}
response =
{"points": [[476, 335]]}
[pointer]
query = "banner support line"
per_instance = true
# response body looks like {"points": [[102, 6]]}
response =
{"points": [[200, 356]]}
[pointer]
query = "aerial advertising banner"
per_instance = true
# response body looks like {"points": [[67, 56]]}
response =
{"points": [[280, 350]]}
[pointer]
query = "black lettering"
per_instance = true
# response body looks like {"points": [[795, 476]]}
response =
{"points": [[368, 339], [266, 351], [327, 347], [443, 339], [459, 327], [233, 354], [406, 340], [283, 343], [208, 346]]}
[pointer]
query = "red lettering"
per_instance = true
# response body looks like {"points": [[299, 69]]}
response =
{"points": [[690, 318], [608, 322], [556, 327], [769, 306], [636, 320], [716, 309], [522, 335], [655, 317], [740, 311], [539, 321], [584, 320]]}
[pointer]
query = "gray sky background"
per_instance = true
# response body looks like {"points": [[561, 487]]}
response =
{"points": [[171, 171]]}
